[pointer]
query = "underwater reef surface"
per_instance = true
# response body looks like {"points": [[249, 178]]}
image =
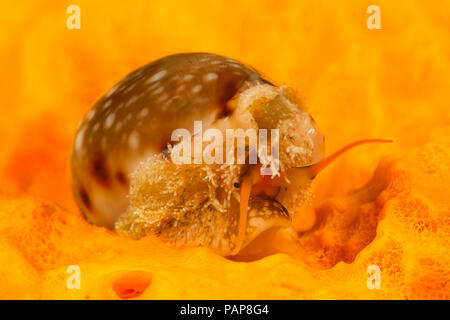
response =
{"points": [[399, 222], [358, 83]]}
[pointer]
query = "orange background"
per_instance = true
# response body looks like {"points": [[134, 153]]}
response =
{"points": [[357, 83]]}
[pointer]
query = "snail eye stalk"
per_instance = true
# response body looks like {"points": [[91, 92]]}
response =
{"points": [[246, 189], [316, 168]]}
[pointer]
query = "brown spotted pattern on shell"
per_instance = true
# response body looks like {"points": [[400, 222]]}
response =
{"points": [[136, 118]]}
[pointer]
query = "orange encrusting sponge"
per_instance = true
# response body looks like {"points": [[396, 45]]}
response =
{"points": [[392, 82], [399, 221]]}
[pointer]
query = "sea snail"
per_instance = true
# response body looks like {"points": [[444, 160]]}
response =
{"points": [[123, 178]]}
